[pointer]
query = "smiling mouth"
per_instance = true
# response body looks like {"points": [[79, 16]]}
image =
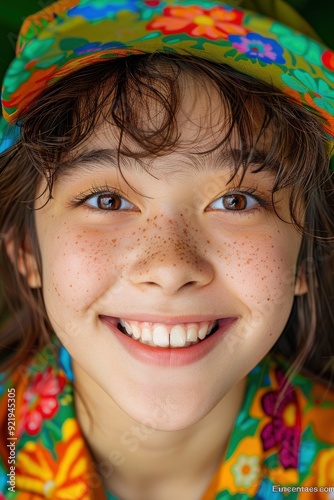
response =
{"points": [[161, 335]]}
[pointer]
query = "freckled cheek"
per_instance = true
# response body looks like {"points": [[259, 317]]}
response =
{"points": [[261, 272], [78, 270]]}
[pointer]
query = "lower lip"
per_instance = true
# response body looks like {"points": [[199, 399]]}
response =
{"points": [[162, 356]]}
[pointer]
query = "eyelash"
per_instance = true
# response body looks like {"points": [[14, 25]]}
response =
{"points": [[82, 198], [262, 202], [96, 191]]}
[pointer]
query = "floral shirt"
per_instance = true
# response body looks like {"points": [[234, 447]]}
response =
{"points": [[282, 444]]}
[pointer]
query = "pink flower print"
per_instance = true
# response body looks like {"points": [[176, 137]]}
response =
{"points": [[284, 429], [40, 401], [258, 47]]}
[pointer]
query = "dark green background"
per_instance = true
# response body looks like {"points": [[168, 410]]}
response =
{"points": [[319, 13]]}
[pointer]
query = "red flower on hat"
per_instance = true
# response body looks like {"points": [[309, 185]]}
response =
{"points": [[218, 22], [328, 59]]}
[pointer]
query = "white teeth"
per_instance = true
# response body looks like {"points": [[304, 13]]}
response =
{"points": [[136, 332], [126, 326], [192, 333], [178, 336], [202, 332], [160, 336], [146, 336], [181, 335]]}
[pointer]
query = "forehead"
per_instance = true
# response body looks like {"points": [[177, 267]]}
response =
{"points": [[201, 113], [200, 129]]}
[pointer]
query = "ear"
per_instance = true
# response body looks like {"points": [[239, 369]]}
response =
{"points": [[301, 287], [26, 262]]}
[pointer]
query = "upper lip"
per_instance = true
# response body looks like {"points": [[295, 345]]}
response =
{"points": [[168, 320]]}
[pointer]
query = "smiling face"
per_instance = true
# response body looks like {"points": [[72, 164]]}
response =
{"points": [[167, 284]]}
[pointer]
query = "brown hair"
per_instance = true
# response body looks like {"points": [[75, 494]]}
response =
{"points": [[121, 92]]}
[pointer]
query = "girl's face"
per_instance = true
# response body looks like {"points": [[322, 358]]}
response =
{"points": [[172, 253]]}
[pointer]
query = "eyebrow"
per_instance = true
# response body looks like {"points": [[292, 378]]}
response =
{"points": [[92, 160]]}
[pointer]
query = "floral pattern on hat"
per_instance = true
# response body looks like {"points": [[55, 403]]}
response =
{"points": [[214, 23], [258, 47], [250, 43], [101, 9], [327, 58], [321, 93]]}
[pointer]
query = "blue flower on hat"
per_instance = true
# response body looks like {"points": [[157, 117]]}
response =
{"points": [[92, 47], [101, 9], [258, 47]]}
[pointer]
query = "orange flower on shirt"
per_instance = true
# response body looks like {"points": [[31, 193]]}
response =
{"points": [[58, 475], [326, 467], [323, 475], [215, 23]]}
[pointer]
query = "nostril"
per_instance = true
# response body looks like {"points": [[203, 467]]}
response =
{"points": [[170, 274], [190, 284]]}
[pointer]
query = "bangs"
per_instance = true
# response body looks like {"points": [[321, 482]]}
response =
{"points": [[141, 96]]}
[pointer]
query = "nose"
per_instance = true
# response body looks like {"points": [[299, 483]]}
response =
{"points": [[171, 263]]}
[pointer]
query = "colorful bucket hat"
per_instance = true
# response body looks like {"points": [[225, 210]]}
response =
{"points": [[71, 34]]}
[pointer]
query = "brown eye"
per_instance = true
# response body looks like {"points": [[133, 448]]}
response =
{"points": [[109, 202], [235, 202]]}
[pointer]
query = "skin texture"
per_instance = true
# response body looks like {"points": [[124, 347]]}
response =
{"points": [[173, 251]]}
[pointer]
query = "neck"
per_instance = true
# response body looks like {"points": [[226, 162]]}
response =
{"points": [[130, 455]]}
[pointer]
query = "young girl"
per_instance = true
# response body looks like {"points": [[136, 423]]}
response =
{"points": [[167, 225]]}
